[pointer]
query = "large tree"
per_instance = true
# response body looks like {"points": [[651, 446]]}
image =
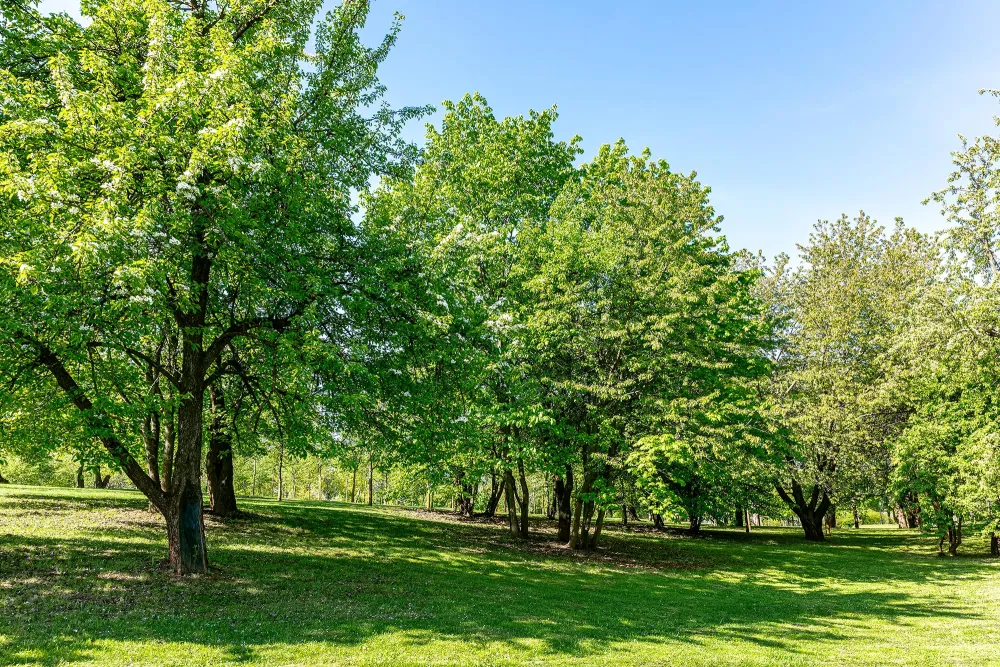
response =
{"points": [[181, 175]]}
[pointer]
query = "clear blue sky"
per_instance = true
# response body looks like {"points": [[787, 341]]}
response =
{"points": [[791, 111]]}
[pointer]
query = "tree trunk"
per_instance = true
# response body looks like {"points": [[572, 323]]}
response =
{"points": [[564, 494], [151, 442], [101, 481], [219, 461], [513, 505], [994, 545], [79, 476], [624, 516], [694, 525], [740, 516], [812, 512], [185, 523], [658, 522], [3, 480], [954, 535], [496, 493], [523, 500], [747, 519], [857, 517], [371, 481], [354, 484], [169, 442], [281, 471]]}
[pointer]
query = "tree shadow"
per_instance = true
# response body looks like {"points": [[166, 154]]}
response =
{"points": [[340, 576]]}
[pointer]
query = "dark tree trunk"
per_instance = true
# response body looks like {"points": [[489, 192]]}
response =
{"points": [[694, 525], [811, 512], [658, 522], [564, 494], [101, 481], [496, 493], [517, 501], [354, 483], [625, 516], [465, 500], [632, 514], [994, 545], [831, 517], [151, 441], [371, 481], [185, 523], [746, 522], [583, 515], [553, 509], [219, 461], [857, 517], [740, 516], [79, 477], [3, 480]]}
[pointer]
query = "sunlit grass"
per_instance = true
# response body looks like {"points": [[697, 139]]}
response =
{"points": [[333, 584]]}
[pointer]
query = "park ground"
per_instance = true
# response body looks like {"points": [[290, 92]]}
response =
{"points": [[320, 583]]}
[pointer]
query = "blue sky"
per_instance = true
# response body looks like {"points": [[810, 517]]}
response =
{"points": [[791, 111]]}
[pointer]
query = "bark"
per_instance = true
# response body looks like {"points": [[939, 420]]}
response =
{"points": [[151, 441], [79, 477], [747, 519], [740, 517], [219, 460], [169, 442], [553, 508], [811, 512], [625, 516], [632, 513], [3, 480], [694, 525], [496, 493], [465, 499], [564, 494], [101, 481], [517, 503], [857, 517], [281, 472], [583, 520], [994, 545], [371, 481], [658, 522], [354, 483]]}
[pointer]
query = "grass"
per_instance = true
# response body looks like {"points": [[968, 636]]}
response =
{"points": [[303, 583]]}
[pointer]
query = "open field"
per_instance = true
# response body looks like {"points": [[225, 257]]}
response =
{"points": [[331, 584]]}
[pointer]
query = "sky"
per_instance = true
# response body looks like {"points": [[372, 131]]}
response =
{"points": [[790, 111]]}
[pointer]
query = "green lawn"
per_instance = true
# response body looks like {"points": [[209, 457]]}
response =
{"points": [[331, 584]]}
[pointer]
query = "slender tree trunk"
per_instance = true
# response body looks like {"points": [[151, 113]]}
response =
{"points": [[354, 483], [79, 476], [496, 493], [857, 517], [219, 461], [169, 442], [281, 472], [371, 481], [151, 442], [509, 492], [564, 494], [994, 545], [253, 479], [523, 500], [658, 522], [746, 519]]}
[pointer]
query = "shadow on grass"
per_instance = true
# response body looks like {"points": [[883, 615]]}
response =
{"points": [[342, 575]]}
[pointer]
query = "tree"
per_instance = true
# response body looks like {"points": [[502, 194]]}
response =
{"points": [[641, 326], [843, 306], [467, 214], [182, 172]]}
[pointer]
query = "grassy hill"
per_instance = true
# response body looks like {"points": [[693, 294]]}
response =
{"points": [[302, 583]]}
